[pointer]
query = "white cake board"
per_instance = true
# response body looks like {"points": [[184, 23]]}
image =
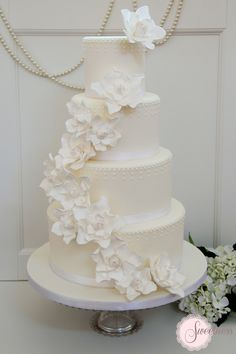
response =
{"points": [[114, 321], [55, 288]]}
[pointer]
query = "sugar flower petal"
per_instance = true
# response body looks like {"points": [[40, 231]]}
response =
{"points": [[139, 27], [96, 223], [166, 275], [119, 90]]}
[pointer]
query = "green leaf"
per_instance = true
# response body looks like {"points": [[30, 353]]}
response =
{"points": [[190, 239]]}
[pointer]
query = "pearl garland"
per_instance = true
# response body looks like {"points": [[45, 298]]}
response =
{"points": [[39, 71], [170, 31]]}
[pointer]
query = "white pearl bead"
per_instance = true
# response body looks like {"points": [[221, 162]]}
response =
{"points": [[43, 73]]}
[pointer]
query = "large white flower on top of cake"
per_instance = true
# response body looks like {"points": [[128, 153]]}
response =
{"points": [[119, 90], [166, 275], [102, 134], [96, 223], [75, 151], [139, 27], [65, 226]]}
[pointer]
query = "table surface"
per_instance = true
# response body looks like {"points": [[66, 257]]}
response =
{"points": [[31, 324]]}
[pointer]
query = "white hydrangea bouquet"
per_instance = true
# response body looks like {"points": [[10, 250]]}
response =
{"points": [[216, 297]]}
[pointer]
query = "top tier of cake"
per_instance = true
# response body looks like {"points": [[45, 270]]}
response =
{"points": [[103, 54]]}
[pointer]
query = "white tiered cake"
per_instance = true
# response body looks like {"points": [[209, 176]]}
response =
{"points": [[111, 155]]}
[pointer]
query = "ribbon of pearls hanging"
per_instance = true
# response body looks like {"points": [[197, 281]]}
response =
{"points": [[36, 69]]}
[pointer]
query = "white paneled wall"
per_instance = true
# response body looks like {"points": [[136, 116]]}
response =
{"points": [[193, 74]]}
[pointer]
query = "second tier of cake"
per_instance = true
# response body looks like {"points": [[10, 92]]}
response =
{"points": [[137, 189]]}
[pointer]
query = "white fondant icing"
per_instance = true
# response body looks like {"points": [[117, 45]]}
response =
{"points": [[132, 187], [103, 54], [136, 218], [135, 175], [164, 235], [75, 278], [139, 127]]}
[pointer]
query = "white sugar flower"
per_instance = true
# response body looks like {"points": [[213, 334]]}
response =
{"points": [[79, 110], [82, 116], [116, 262], [96, 223], [166, 275], [73, 192], [65, 226], [223, 250], [139, 27], [219, 303], [75, 151], [135, 284], [102, 134], [54, 174], [119, 90]]}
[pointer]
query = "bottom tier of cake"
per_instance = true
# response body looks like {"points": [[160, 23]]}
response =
{"points": [[73, 262]]}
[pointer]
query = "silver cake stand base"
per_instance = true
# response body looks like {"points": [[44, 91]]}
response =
{"points": [[116, 316], [116, 323]]}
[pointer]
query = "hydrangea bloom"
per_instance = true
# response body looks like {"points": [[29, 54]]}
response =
{"points": [[210, 299]]}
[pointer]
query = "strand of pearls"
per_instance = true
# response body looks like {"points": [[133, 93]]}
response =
{"points": [[39, 71], [106, 18], [172, 29], [166, 14]]}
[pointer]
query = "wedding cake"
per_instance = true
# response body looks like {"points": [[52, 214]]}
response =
{"points": [[112, 219]]}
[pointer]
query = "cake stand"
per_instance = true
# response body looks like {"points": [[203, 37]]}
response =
{"points": [[116, 314]]}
